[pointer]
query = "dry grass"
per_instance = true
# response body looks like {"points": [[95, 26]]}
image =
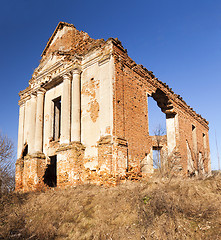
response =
{"points": [[180, 209]]}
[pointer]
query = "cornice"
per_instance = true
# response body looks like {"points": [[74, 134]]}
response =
{"points": [[21, 103], [55, 71], [23, 92], [24, 98], [48, 71], [53, 75]]}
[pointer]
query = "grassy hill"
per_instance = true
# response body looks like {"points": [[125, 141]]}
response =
{"points": [[151, 209]]}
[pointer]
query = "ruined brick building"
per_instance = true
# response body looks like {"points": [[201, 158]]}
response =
{"points": [[85, 112]]}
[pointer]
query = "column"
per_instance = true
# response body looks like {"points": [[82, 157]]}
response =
{"points": [[39, 120], [21, 129], [76, 106], [32, 119], [66, 109]]}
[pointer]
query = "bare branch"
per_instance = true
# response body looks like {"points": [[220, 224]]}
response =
{"points": [[6, 164]]}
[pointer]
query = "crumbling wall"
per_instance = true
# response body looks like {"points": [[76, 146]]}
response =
{"points": [[66, 38], [133, 83], [105, 154], [29, 173], [115, 142], [130, 109], [19, 167], [186, 135], [70, 164]]}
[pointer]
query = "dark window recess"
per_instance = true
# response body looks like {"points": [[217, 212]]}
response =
{"points": [[25, 151], [57, 119], [50, 176]]}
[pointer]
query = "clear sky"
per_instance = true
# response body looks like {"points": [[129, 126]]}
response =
{"points": [[180, 41]]}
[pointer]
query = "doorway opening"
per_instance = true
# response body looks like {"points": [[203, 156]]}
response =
{"points": [[157, 157], [50, 176]]}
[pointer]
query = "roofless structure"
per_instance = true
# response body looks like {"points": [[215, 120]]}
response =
{"points": [[84, 116]]}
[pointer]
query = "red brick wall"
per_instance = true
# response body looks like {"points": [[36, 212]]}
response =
{"points": [[72, 40], [130, 110], [185, 122], [132, 83]]}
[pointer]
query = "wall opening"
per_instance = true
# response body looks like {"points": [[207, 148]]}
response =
{"points": [[156, 118], [162, 125], [194, 138], [204, 142], [50, 176], [157, 157], [57, 119]]}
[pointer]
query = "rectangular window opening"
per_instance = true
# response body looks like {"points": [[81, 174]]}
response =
{"points": [[204, 141], [57, 119], [194, 138], [205, 145]]}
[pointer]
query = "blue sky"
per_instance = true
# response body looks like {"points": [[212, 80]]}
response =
{"points": [[180, 41]]}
